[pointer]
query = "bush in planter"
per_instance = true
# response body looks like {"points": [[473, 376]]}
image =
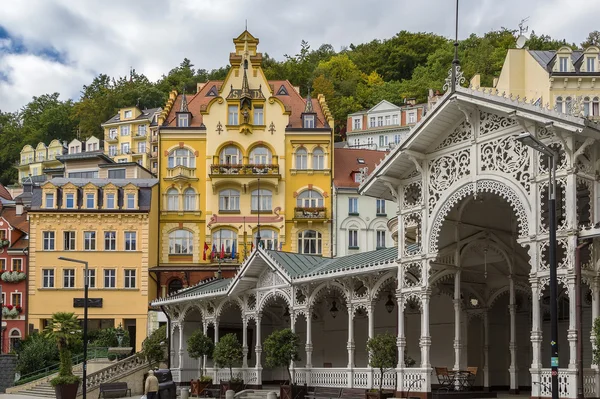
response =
{"points": [[228, 353], [383, 353], [281, 348], [153, 347], [199, 345], [64, 328]]}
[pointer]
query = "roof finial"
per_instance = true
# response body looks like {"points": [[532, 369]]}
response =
{"points": [[184, 103], [309, 105], [246, 23], [455, 75]]}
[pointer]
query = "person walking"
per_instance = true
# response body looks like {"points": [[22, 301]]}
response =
{"points": [[151, 389]]}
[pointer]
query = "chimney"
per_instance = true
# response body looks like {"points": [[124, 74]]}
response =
{"points": [[19, 207]]}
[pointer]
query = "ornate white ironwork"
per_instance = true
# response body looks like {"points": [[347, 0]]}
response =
{"points": [[444, 171], [461, 133], [508, 156], [491, 123]]}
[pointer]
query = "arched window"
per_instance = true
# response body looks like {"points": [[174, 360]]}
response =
{"points": [[182, 157], [309, 199], [595, 106], [181, 242], [318, 159], [309, 242], [225, 241], [301, 158], [229, 200], [173, 199], [230, 155], [268, 239], [15, 339], [174, 286], [586, 106], [568, 105], [559, 104], [260, 155], [264, 198], [189, 200]]}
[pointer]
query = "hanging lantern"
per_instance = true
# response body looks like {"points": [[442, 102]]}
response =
{"points": [[286, 315], [389, 305], [334, 310]]}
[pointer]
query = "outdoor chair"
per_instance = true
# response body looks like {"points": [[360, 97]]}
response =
{"points": [[445, 379], [470, 381]]}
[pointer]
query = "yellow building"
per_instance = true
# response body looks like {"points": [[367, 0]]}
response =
{"points": [[111, 224], [33, 161], [240, 156], [132, 136], [565, 79]]}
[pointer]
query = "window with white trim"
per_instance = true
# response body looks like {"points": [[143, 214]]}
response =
{"points": [[309, 242], [110, 278], [353, 239], [357, 123], [232, 115], [181, 242], [16, 299], [48, 278], [301, 158], [590, 64], [318, 157], [17, 265], [70, 201], [130, 240], [69, 241], [90, 200], [265, 197], [91, 278], [189, 199], [309, 199], [309, 121], [230, 155], [260, 155], [181, 157], [49, 201], [130, 201], [110, 240], [68, 278], [130, 278], [48, 240], [125, 130], [172, 199], [110, 201], [353, 206], [380, 207], [380, 239], [229, 200], [259, 115], [563, 64]]}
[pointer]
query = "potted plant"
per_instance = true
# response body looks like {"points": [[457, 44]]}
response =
{"points": [[64, 328], [281, 349], [228, 353], [199, 345], [154, 348], [382, 356]]}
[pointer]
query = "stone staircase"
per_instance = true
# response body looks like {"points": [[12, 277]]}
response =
{"points": [[45, 389]]}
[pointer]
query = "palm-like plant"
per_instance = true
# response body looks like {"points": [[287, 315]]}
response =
{"points": [[64, 328]]}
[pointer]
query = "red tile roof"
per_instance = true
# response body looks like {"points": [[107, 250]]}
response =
{"points": [[346, 164], [4, 193]]}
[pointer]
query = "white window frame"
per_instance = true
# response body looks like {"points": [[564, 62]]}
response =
{"points": [[88, 197], [130, 240], [91, 275], [183, 120], [353, 239], [308, 122], [69, 240], [189, 199], [563, 64], [110, 201], [259, 115], [70, 197], [130, 278], [380, 207], [266, 200], [130, 200], [301, 158], [110, 275], [49, 240], [233, 115], [303, 240], [357, 123], [310, 199], [127, 114], [48, 278], [124, 130], [380, 239], [49, 205], [89, 240], [229, 200], [110, 237], [318, 159], [185, 240], [19, 268], [172, 199], [353, 205], [69, 278]]}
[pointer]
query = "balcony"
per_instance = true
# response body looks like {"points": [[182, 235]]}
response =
{"points": [[154, 154], [111, 138], [236, 170], [181, 173], [316, 213], [154, 138], [139, 153], [392, 225], [139, 135]]}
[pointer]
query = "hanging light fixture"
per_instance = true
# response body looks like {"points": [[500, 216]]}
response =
{"points": [[485, 263], [286, 314], [389, 305], [334, 310]]}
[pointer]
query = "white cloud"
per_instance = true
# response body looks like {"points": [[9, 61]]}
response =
{"points": [[154, 36]]}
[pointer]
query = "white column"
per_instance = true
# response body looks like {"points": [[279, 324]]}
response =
{"points": [[400, 343], [205, 357], [216, 339], [425, 341], [371, 315], [293, 328], [513, 369], [245, 342], [181, 346], [536, 338], [572, 332], [457, 326], [486, 351], [216, 324], [595, 314], [350, 345], [309, 346], [258, 347]]}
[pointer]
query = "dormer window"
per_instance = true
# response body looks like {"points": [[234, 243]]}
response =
{"points": [[563, 64], [127, 114], [90, 201], [70, 201], [130, 201], [590, 64], [110, 201], [49, 204], [309, 121], [183, 120]]}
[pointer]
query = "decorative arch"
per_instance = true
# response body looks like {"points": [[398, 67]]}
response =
{"points": [[189, 308], [493, 246], [378, 222], [382, 282], [490, 184], [261, 144], [328, 285], [229, 301], [220, 148], [503, 291], [273, 294], [311, 187], [441, 276], [346, 223]]}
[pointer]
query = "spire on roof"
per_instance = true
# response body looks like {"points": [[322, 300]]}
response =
{"points": [[455, 74], [184, 103], [245, 86], [308, 109]]}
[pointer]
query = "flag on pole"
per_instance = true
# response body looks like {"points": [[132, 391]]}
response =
{"points": [[252, 246], [280, 246], [213, 254], [233, 250], [206, 248], [222, 251]]}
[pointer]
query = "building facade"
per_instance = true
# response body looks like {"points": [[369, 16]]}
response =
{"points": [[111, 224], [33, 161], [132, 136], [241, 156], [359, 222], [384, 126], [564, 79]]}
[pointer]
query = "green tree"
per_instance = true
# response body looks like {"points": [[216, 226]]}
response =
{"points": [[64, 328], [545, 42], [36, 351], [382, 354], [228, 353], [199, 345], [593, 39], [281, 348], [107, 338], [154, 347]]}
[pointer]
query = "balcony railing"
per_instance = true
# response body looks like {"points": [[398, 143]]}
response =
{"points": [[111, 138], [310, 213], [237, 169], [154, 138], [181, 172], [139, 135]]}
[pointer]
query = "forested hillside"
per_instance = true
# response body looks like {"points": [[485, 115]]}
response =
{"points": [[354, 78]]}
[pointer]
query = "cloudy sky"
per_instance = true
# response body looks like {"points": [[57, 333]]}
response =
{"points": [[59, 45]]}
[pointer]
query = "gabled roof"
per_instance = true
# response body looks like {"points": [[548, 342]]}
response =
{"points": [[4, 193], [347, 162], [146, 114]]}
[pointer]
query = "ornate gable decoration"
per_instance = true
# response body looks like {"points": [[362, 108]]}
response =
{"points": [[269, 278], [462, 132], [491, 123]]}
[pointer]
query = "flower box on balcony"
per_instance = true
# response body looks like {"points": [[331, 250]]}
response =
{"points": [[4, 243], [12, 277], [11, 312], [310, 212]]}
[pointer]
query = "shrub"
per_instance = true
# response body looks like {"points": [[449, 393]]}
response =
{"points": [[200, 345], [227, 353], [107, 337], [36, 352], [153, 347], [281, 348], [382, 353]]}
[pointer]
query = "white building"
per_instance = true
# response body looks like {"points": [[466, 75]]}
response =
{"points": [[467, 285], [359, 222], [383, 126]]}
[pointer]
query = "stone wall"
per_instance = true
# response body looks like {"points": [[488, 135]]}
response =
{"points": [[8, 365]]}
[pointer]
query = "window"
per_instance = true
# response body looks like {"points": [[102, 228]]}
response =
{"points": [[112, 151], [230, 155], [380, 121], [70, 201], [318, 159], [110, 278], [48, 278], [141, 147], [258, 116], [183, 120], [69, 240], [125, 130], [380, 207], [142, 130], [189, 200], [309, 199], [15, 340], [174, 286], [48, 240], [568, 105], [233, 115], [380, 237], [172, 199], [301, 158], [89, 200], [110, 201], [559, 104], [130, 201], [49, 200], [372, 121], [396, 138], [89, 240], [130, 240], [264, 198], [595, 106], [181, 242], [357, 123], [353, 206], [69, 278], [91, 278], [388, 120], [124, 148], [260, 155], [225, 240], [17, 265], [412, 117], [268, 239], [112, 133], [84, 175], [353, 239], [586, 106], [130, 278], [394, 119], [309, 121], [309, 242], [381, 141], [591, 64], [370, 141], [358, 177], [563, 64], [15, 299], [229, 200], [2, 264], [110, 240], [127, 114]]}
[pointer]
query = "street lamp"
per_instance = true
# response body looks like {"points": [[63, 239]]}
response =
{"points": [[120, 334], [531, 141], [85, 318]]}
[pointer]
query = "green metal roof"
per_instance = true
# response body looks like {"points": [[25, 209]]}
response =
{"points": [[295, 264], [205, 287]]}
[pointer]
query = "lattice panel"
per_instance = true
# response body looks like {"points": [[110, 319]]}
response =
{"points": [[444, 171], [412, 195], [506, 155], [462, 132], [560, 205], [490, 123]]}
